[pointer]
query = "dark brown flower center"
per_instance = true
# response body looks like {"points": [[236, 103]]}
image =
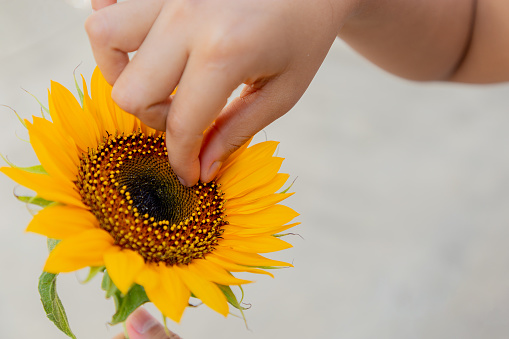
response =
{"points": [[128, 184]]}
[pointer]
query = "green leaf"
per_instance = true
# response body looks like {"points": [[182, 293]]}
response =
{"points": [[35, 201], [124, 305], [52, 304], [130, 302], [92, 273]]}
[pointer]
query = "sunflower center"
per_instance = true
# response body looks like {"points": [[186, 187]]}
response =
{"points": [[130, 187], [155, 189]]}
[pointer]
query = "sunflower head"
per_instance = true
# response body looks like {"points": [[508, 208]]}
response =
{"points": [[130, 187], [117, 205]]}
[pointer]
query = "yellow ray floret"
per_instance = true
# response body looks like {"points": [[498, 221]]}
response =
{"points": [[118, 204]]}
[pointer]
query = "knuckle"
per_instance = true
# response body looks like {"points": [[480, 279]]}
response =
{"points": [[127, 102], [221, 47], [176, 128], [225, 44], [229, 140], [97, 28]]}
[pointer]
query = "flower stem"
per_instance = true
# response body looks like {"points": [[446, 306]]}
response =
{"points": [[126, 335], [166, 330]]}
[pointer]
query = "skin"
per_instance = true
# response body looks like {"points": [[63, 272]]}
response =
{"points": [[274, 48], [141, 325]]}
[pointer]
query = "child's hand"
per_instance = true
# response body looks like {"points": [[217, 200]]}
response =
{"points": [[141, 325], [209, 48]]}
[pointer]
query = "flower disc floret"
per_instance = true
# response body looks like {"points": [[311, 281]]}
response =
{"points": [[130, 187]]}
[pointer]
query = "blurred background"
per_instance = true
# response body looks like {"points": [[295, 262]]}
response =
{"points": [[403, 190]]}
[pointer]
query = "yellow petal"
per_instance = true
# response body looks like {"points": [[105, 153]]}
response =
{"points": [[49, 188], [85, 249], [56, 152], [250, 177], [246, 231], [274, 215], [126, 122], [105, 107], [231, 159], [259, 244], [253, 156], [122, 267], [166, 290], [67, 113], [62, 222], [90, 107], [213, 272], [206, 291], [148, 277], [259, 192], [174, 287], [248, 259], [258, 205], [230, 266], [114, 116]]}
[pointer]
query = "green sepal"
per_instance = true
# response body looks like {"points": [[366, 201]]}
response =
{"points": [[109, 287], [269, 267], [50, 300], [51, 243], [288, 188], [35, 201], [80, 92], [232, 299], [40, 104], [19, 118], [279, 235], [34, 169], [92, 273], [38, 169], [130, 302]]}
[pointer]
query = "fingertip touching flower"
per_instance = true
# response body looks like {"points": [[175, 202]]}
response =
{"points": [[118, 204]]}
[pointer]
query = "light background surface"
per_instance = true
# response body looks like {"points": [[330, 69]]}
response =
{"points": [[403, 190]]}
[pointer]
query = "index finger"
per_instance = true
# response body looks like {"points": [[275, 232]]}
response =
{"points": [[203, 91]]}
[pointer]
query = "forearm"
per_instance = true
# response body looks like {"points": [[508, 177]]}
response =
{"points": [[419, 39]]}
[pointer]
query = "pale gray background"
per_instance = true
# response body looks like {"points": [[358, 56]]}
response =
{"points": [[403, 190]]}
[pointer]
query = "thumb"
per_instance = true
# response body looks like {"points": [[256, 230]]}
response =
{"points": [[241, 119], [141, 325]]}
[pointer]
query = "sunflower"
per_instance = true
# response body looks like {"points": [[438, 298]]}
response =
{"points": [[118, 204]]}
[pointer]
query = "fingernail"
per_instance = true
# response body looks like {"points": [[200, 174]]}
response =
{"points": [[182, 181], [214, 169], [142, 321]]}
